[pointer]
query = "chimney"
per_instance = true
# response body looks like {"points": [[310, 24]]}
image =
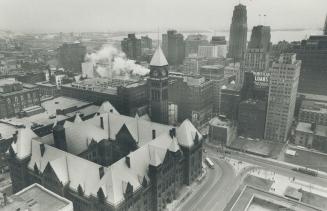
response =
{"points": [[101, 172], [42, 149], [128, 161], [172, 132], [153, 134], [5, 200], [101, 122], [313, 126]]}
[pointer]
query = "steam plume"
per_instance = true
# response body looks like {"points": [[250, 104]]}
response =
{"points": [[110, 61]]}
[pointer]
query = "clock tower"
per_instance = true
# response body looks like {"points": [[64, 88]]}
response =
{"points": [[158, 88]]}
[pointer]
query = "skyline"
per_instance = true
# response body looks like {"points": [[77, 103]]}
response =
{"points": [[36, 16]]}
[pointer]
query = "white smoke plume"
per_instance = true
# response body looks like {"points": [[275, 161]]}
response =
{"points": [[110, 61]]}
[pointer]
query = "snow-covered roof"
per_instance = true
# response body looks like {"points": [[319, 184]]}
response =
{"points": [[158, 58], [22, 145], [186, 133], [70, 169], [106, 107]]}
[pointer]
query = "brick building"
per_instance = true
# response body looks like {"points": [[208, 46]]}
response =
{"points": [[129, 96], [15, 96]]}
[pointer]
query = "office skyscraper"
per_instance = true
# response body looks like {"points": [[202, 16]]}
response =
{"points": [[284, 80], [131, 46], [257, 54], [260, 38], [192, 43], [238, 33], [174, 47]]}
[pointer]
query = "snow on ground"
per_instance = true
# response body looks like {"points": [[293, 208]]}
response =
{"points": [[282, 182], [237, 165]]}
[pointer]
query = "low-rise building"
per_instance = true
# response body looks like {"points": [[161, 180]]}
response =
{"points": [[15, 96], [313, 112], [221, 131], [128, 96], [311, 136], [36, 198]]}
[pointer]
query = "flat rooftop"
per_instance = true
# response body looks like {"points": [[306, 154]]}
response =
{"points": [[213, 67], [36, 197], [314, 97], [254, 199], [105, 85], [9, 126]]}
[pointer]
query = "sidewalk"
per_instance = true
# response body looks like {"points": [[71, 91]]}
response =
{"points": [[186, 191]]}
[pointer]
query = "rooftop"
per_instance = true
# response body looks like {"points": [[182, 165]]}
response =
{"points": [[219, 121], [105, 85], [71, 106], [37, 198], [252, 199], [70, 169], [213, 67], [319, 130]]}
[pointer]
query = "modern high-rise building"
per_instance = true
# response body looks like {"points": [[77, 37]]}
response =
{"points": [[284, 80], [131, 46], [238, 33], [192, 43], [252, 118], [158, 87], [313, 54], [325, 27], [174, 47]]}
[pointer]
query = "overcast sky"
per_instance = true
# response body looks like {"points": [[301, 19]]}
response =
{"points": [[105, 15]]}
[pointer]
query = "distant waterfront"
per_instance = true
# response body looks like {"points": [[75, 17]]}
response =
{"points": [[276, 35]]}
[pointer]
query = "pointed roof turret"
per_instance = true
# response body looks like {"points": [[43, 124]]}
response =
{"points": [[158, 58]]}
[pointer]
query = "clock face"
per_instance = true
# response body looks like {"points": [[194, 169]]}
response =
{"points": [[155, 74], [164, 73]]}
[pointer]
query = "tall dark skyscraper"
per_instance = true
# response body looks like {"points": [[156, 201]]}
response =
{"points": [[260, 38], [238, 33], [256, 58], [158, 87], [174, 47], [325, 27]]}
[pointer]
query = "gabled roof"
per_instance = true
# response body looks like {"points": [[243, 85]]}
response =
{"points": [[22, 146], [158, 58], [173, 147], [70, 169], [106, 107], [186, 134], [78, 119], [68, 124]]}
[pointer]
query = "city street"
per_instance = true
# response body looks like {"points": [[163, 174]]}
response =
{"points": [[221, 183], [217, 189]]}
